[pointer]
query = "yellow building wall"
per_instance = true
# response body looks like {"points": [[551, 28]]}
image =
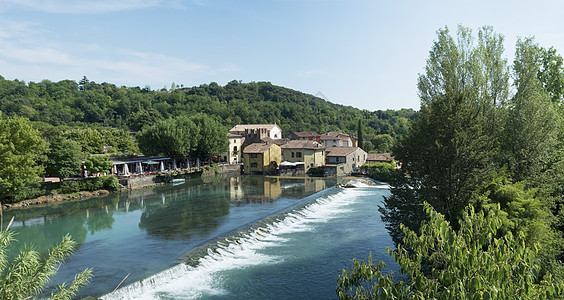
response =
{"points": [[310, 157], [262, 160]]}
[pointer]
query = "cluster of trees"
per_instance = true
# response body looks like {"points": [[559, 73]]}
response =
{"points": [[184, 138], [86, 103], [27, 154], [489, 136]]}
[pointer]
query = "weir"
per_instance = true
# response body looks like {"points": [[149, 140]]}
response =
{"points": [[202, 269]]}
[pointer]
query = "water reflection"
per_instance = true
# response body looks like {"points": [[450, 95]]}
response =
{"points": [[170, 212]]}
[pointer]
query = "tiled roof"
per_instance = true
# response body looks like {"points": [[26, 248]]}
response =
{"points": [[241, 128], [380, 156], [297, 144], [232, 135], [340, 151], [306, 134], [329, 137], [256, 148]]}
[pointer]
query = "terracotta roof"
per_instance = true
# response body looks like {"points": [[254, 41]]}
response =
{"points": [[380, 157], [340, 151], [329, 137], [297, 144], [306, 134], [241, 128], [256, 148]]}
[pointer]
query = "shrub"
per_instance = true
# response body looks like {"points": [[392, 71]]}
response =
{"points": [[381, 171], [441, 263]]}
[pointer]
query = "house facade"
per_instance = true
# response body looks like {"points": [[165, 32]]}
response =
{"points": [[234, 154], [259, 158], [257, 131], [344, 160], [334, 141], [311, 153]]}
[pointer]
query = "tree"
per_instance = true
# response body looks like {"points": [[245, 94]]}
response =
{"points": [[212, 137], [449, 151], [175, 138], [96, 164], [20, 149], [359, 134], [383, 143], [442, 263], [142, 118], [28, 274], [532, 124], [64, 158]]}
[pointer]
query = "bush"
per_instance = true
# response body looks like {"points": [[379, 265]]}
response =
{"points": [[109, 183], [441, 263], [381, 171]]}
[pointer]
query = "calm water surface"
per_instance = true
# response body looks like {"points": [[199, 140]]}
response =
{"points": [[313, 232]]}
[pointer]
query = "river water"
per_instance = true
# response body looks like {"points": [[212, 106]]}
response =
{"points": [[241, 237]]}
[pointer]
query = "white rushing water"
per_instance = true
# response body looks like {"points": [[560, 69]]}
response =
{"points": [[205, 279]]}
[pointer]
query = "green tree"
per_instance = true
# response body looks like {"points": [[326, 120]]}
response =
{"points": [[142, 118], [20, 148], [383, 143], [98, 164], [359, 134], [442, 263], [450, 149], [212, 137], [533, 124], [64, 158], [175, 138], [26, 276]]}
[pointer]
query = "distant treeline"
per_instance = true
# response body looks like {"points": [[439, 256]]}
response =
{"points": [[86, 103]]}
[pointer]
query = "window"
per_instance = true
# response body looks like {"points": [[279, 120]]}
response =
{"points": [[292, 154], [235, 148], [253, 155], [298, 154], [253, 165]]}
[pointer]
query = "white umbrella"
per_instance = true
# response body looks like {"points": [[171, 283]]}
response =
{"points": [[140, 168], [162, 166], [125, 169]]}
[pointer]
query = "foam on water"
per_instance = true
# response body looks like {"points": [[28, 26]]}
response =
{"points": [[188, 282]]}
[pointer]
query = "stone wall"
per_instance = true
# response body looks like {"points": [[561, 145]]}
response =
{"points": [[152, 180]]}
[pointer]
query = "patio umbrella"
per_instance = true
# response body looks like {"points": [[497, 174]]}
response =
{"points": [[140, 168], [125, 169], [162, 166]]}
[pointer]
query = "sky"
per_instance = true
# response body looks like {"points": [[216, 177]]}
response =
{"points": [[363, 53]]}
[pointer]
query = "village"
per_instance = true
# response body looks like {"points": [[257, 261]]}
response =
{"points": [[261, 149]]}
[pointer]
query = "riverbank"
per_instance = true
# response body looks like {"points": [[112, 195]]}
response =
{"points": [[126, 185], [54, 199]]}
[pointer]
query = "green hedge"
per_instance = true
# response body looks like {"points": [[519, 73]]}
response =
{"points": [[109, 183], [381, 171]]}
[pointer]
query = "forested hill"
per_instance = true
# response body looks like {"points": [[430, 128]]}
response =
{"points": [[85, 102]]}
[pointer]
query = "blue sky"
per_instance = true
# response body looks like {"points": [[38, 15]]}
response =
{"points": [[366, 54]]}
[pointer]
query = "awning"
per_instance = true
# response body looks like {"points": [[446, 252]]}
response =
{"points": [[291, 164]]}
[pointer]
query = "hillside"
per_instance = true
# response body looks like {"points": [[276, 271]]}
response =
{"points": [[87, 103]]}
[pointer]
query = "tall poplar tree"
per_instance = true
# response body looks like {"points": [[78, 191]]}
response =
{"points": [[450, 149]]}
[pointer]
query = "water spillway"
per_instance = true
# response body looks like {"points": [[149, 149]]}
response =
{"points": [[261, 238]]}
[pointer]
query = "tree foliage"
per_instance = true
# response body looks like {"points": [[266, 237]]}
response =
{"points": [[473, 262], [98, 164], [20, 148], [64, 158], [89, 103], [26, 276]]}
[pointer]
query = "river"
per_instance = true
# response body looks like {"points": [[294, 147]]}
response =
{"points": [[244, 237]]}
